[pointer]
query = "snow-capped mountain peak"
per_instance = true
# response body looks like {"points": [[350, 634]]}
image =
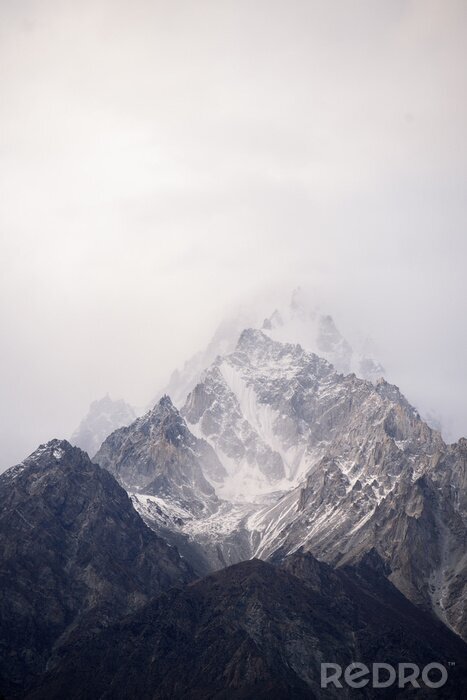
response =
{"points": [[261, 408], [296, 321]]}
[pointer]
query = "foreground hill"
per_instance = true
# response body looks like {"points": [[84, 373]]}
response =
{"points": [[74, 555], [257, 631]]}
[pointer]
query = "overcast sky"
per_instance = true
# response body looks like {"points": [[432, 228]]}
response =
{"points": [[162, 160]]}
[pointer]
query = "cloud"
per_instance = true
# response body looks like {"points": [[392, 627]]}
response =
{"points": [[161, 160]]}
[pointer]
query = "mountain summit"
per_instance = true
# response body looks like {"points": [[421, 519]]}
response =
{"points": [[299, 321], [158, 455]]}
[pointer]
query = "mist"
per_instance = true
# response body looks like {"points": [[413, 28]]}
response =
{"points": [[162, 163]]}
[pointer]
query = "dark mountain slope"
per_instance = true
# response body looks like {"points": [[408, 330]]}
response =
{"points": [[74, 554], [258, 631]]}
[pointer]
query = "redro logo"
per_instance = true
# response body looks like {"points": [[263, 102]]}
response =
{"points": [[381, 675]]}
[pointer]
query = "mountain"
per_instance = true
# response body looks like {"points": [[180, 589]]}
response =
{"points": [[255, 630], [271, 411], [74, 555], [158, 455], [280, 451], [265, 450], [104, 416], [333, 517], [170, 475], [298, 321], [337, 465]]}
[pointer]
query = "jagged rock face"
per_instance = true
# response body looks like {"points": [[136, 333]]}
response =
{"points": [[214, 410], [157, 455], [418, 530], [415, 529], [417, 524], [103, 418], [272, 410], [448, 581], [258, 631], [450, 467], [73, 552], [244, 407]]}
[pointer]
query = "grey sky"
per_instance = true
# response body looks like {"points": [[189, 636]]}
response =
{"points": [[162, 160]]}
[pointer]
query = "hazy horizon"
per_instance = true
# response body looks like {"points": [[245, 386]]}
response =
{"points": [[164, 163]]}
